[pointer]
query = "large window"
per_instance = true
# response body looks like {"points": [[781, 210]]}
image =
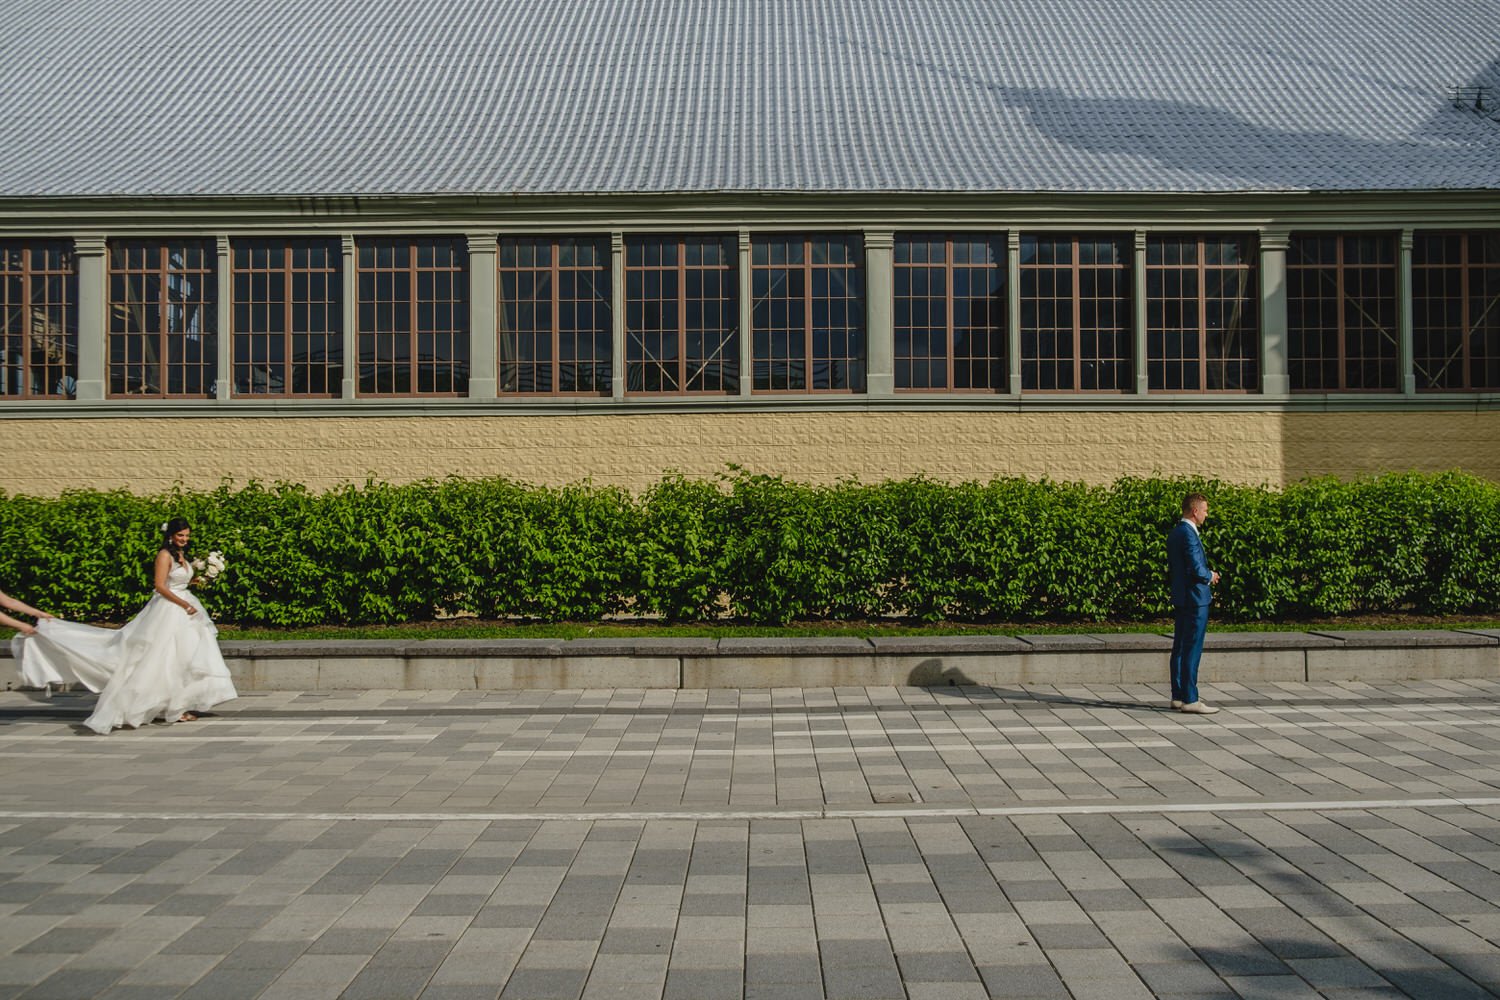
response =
{"points": [[950, 312], [1456, 311], [163, 317], [682, 315], [288, 318], [38, 320], [809, 313], [413, 317], [1202, 332], [1075, 314], [1341, 313], [555, 322]]}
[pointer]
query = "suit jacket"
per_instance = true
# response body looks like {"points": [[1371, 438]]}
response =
{"points": [[1188, 567]]}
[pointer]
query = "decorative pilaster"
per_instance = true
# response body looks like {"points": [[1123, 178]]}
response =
{"points": [[1407, 366], [1138, 313], [224, 325], [1013, 309], [483, 314], [349, 271], [1275, 379], [93, 317], [880, 320], [617, 313], [747, 317]]}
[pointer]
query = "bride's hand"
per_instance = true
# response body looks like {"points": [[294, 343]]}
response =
{"points": [[190, 609]]}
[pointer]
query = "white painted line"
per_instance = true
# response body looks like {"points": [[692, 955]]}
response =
{"points": [[789, 812], [821, 751], [166, 737]]}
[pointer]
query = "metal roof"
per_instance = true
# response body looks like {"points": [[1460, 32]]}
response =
{"points": [[407, 97]]}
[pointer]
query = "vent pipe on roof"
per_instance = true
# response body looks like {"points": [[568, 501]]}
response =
{"points": [[1469, 98]]}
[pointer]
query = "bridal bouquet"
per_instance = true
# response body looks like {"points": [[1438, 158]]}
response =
{"points": [[210, 566]]}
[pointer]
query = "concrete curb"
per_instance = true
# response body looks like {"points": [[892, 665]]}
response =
{"points": [[925, 661]]}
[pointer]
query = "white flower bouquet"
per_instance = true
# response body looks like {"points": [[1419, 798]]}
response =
{"points": [[209, 567]]}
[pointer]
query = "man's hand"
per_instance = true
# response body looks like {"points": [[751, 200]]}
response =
{"points": [[1215, 580]]}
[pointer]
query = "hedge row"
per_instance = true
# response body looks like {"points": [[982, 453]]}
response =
{"points": [[766, 549]]}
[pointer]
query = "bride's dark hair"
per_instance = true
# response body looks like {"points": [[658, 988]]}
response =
{"points": [[169, 529]]}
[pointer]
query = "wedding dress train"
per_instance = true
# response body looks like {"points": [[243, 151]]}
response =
{"points": [[163, 662]]}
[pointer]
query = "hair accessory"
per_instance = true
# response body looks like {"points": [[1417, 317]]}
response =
{"points": [[162, 527]]}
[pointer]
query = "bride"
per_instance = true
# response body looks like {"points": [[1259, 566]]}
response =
{"points": [[165, 662]]}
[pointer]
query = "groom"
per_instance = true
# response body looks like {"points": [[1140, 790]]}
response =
{"points": [[1191, 579]]}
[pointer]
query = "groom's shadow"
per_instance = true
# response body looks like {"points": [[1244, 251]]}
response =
{"points": [[932, 674]]}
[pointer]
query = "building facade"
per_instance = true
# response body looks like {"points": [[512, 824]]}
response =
{"points": [[817, 240]]}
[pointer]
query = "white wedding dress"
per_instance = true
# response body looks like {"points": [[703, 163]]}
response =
{"points": [[163, 662]]}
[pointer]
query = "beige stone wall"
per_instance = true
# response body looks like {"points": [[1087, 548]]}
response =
{"points": [[144, 454]]}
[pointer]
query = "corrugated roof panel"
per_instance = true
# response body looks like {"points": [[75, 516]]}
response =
{"points": [[363, 97]]}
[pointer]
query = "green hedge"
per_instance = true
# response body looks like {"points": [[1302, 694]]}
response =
{"points": [[766, 549]]}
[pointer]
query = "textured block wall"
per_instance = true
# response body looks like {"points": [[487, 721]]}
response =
{"points": [[146, 454]]}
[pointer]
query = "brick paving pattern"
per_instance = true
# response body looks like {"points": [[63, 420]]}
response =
{"points": [[1313, 840]]}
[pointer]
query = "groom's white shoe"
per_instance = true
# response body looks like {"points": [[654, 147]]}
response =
{"points": [[1199, 708], [1176, 703]]}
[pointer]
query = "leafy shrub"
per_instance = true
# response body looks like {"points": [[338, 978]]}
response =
{"points": [[766, 549]]}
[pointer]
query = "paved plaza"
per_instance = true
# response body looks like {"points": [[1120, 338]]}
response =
{"points": [[1333, 840]]}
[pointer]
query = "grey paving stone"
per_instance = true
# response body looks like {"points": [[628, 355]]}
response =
{"points": [[562, 924], [73, 984], [544, 984], [857, 969], [784, 991], [1435, 984], [231, 984], [460, 992], [637, 940], [206, 941], [187, 904], [782, 967], [936, 967], [263, 955], [509, 916], [23, 892], [390, 982], [66, 941], [712, 904], [1016, 981], [444, 904], [703, 984], [132, 991], [1054, 937], [1178, 977], [1243, 962]]}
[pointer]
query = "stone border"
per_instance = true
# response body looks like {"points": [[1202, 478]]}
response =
{"points": [[924, 661]]}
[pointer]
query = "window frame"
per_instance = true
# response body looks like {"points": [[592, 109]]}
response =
{"points": [[555, 270], [1466, 268], [729, 337], [1340, 268], [333, 337], [1124, 268], [1249, 267], [857, 266], [459, 301], [999, 329], [207, 303], [28, 274]]}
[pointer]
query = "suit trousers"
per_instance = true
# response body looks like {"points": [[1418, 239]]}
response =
{"points": [[1189, 625]]}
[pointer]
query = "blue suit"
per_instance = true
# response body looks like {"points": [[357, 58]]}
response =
{"points": [[1191, 580]]}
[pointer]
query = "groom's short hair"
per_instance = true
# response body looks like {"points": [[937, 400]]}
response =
{"points": [[1192, 500]]}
